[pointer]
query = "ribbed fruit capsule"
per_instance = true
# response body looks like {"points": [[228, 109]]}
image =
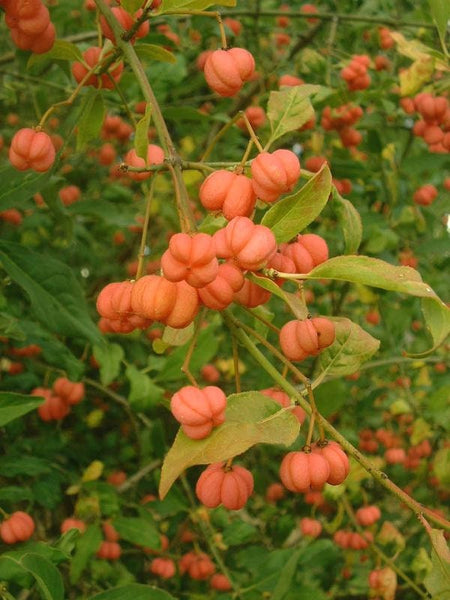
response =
{"points": [[69, 391], [109, 550], [228, 192], [306, 252], [72, 523], [300, 339], [249, 245], [284, 400], [199, 411], [227, 70], [336, 459], [114, 300], [163, 567], [126, 21], [18, 528], [301, 471], [190, 258], [251, 295], [310, 527], [368, 515], [91, 58], [274, 174], [54, 408], [218, 294], [230, 487], [155, 156], [31, 149]]}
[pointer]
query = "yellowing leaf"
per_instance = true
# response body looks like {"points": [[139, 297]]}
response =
{"points": [[251, 418], [289, 109], [413, 78], [93, 471]]}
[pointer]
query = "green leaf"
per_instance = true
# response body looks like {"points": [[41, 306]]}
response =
{"points": [[144, 393], [48, 578], [177, 337], [18, 187], [377, 273], [141, 137], [441, 466], [32, 466], [286, 577], [298, 308], [138, 531], [10, 328], [350, 349], [55, 294], [109, 357], [289, 109], [350, 221], [206, 348], [87, 546], [136, 591], [291, 215], [153, 52], [54, 352], [92, 114], [437, 581], [182, 5], [13, 406], [61, 50], [251, 418], [440, 11], [131, 6]]}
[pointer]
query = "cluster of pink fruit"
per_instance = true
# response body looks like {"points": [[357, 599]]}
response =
{"points": [[59, 400], [434, 125], [30, 24]]}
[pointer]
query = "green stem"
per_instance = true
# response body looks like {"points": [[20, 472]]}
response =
{"points": [[327, 16], [131, 57], [209, 535], [349, 510], [378, 475], [141, 255]]}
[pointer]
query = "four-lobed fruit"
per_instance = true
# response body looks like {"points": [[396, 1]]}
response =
{"points": [[368, 515], [31, 149], [228, 192], [91, 58], [229, 486], [126, 21], [425, 195], [30, 25], [157, 299], [227, 70], [109, 550], [72, 523], [220, 293], [191, 258], [70, 391], [304, 471], [19, 527], [300, 339], [248, 244], [310, 527], [199, 410], [155, 156], [198, 565], [163, 567], [308, 251], [274, 174], [284, 400]]}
